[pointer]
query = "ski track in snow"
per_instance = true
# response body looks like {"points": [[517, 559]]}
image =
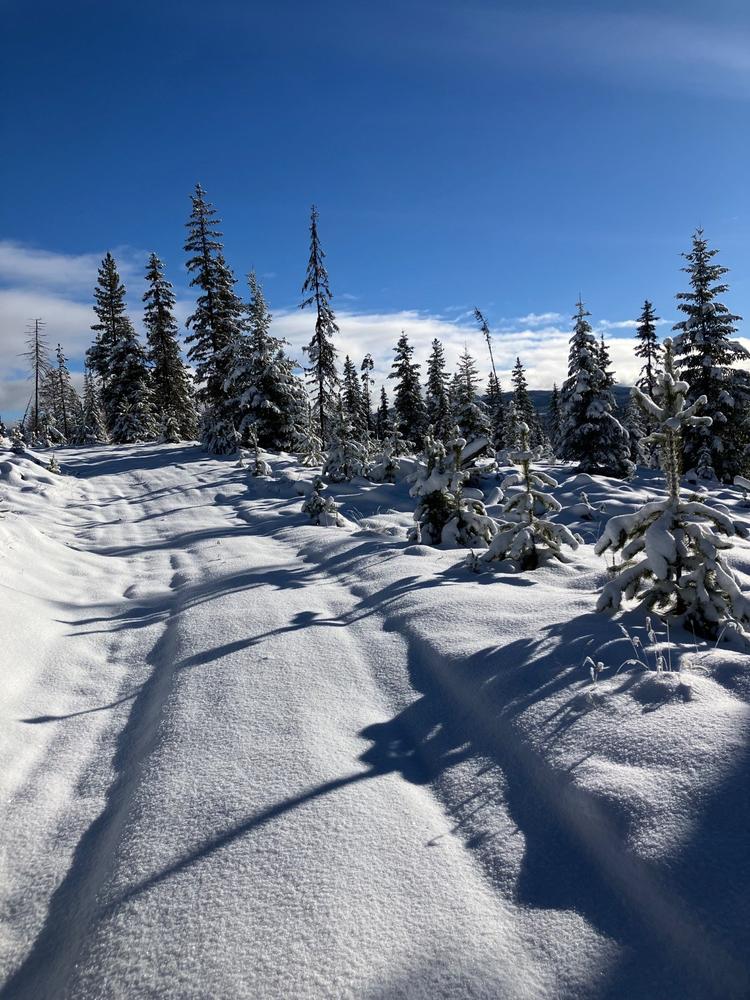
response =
{"points": [[261, 759]]}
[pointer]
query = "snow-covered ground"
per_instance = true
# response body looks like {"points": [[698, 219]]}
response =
{"points": [[243, 756]]}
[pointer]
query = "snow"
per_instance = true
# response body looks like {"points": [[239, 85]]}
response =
{"points": [[246, 756]]}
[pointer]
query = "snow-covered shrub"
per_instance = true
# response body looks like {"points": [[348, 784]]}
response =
{"points": [[681, 572], [443, 514], [54, 465], [17, 443], [321, 510], [583, 510], [527, 537], [169, 432], [385, 466], [218, 433], [259, 465]]}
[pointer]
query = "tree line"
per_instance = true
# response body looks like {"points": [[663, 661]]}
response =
{"points": [[241, 385]]}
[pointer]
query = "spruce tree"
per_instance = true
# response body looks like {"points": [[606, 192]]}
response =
{"points": [[383, 424], [366, 369], [648, 348], [268, 398], [605, 363], [496, 407], [408, 402], [321, 352], [133, 416], [351, 396], [470, 412], [92, 423], [109, 306], [171, 382], [525, 409], [705, 353], [216, 323], [554, 417], [527, 536], [436, 394], [590, 436], [672, 549]]}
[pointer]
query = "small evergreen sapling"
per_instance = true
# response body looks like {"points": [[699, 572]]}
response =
{"points": [[527, 536], [444, 516], [322, 510], [347, 457], [681, 572], [260, 466]]}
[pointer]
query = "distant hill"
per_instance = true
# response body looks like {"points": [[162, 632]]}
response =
{"points": [[541, 397]]}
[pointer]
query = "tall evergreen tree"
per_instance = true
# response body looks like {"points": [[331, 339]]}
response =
{"points": [[408, 402], [525, 409], [436, 395], [62, 399], [705, 353], [171, 381], [216, 323], [366, 369], [92, 423], [133, 417], [268, 398], [496, 408], [605, 363], [321, 352], [554, 417], [648, 348], [590, 433], [470, 412], [109, 306], [383, 425], [353, 407]]}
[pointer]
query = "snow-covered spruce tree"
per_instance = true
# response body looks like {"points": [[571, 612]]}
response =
{"points": [[527, 537], [436, 391], [605, 363], [407, 398], [215, 325], [705, 353], [322, 510], [672, 548], [171, 382], [366, 370], [636, 426], [266, 395], [92, 424], [590, 434], [351, 399], [384, 467], [130, 393], [109, 306], [496, 409], [259, 466], [60, 400], [554, 418], [648, 349], [383, 422], [316, 290], [469, 411], [308, 445], [17, 443], [443, 515], [346, 455]]}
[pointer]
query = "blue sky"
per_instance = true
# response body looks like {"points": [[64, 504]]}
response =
{"points": [[498, 154]]}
